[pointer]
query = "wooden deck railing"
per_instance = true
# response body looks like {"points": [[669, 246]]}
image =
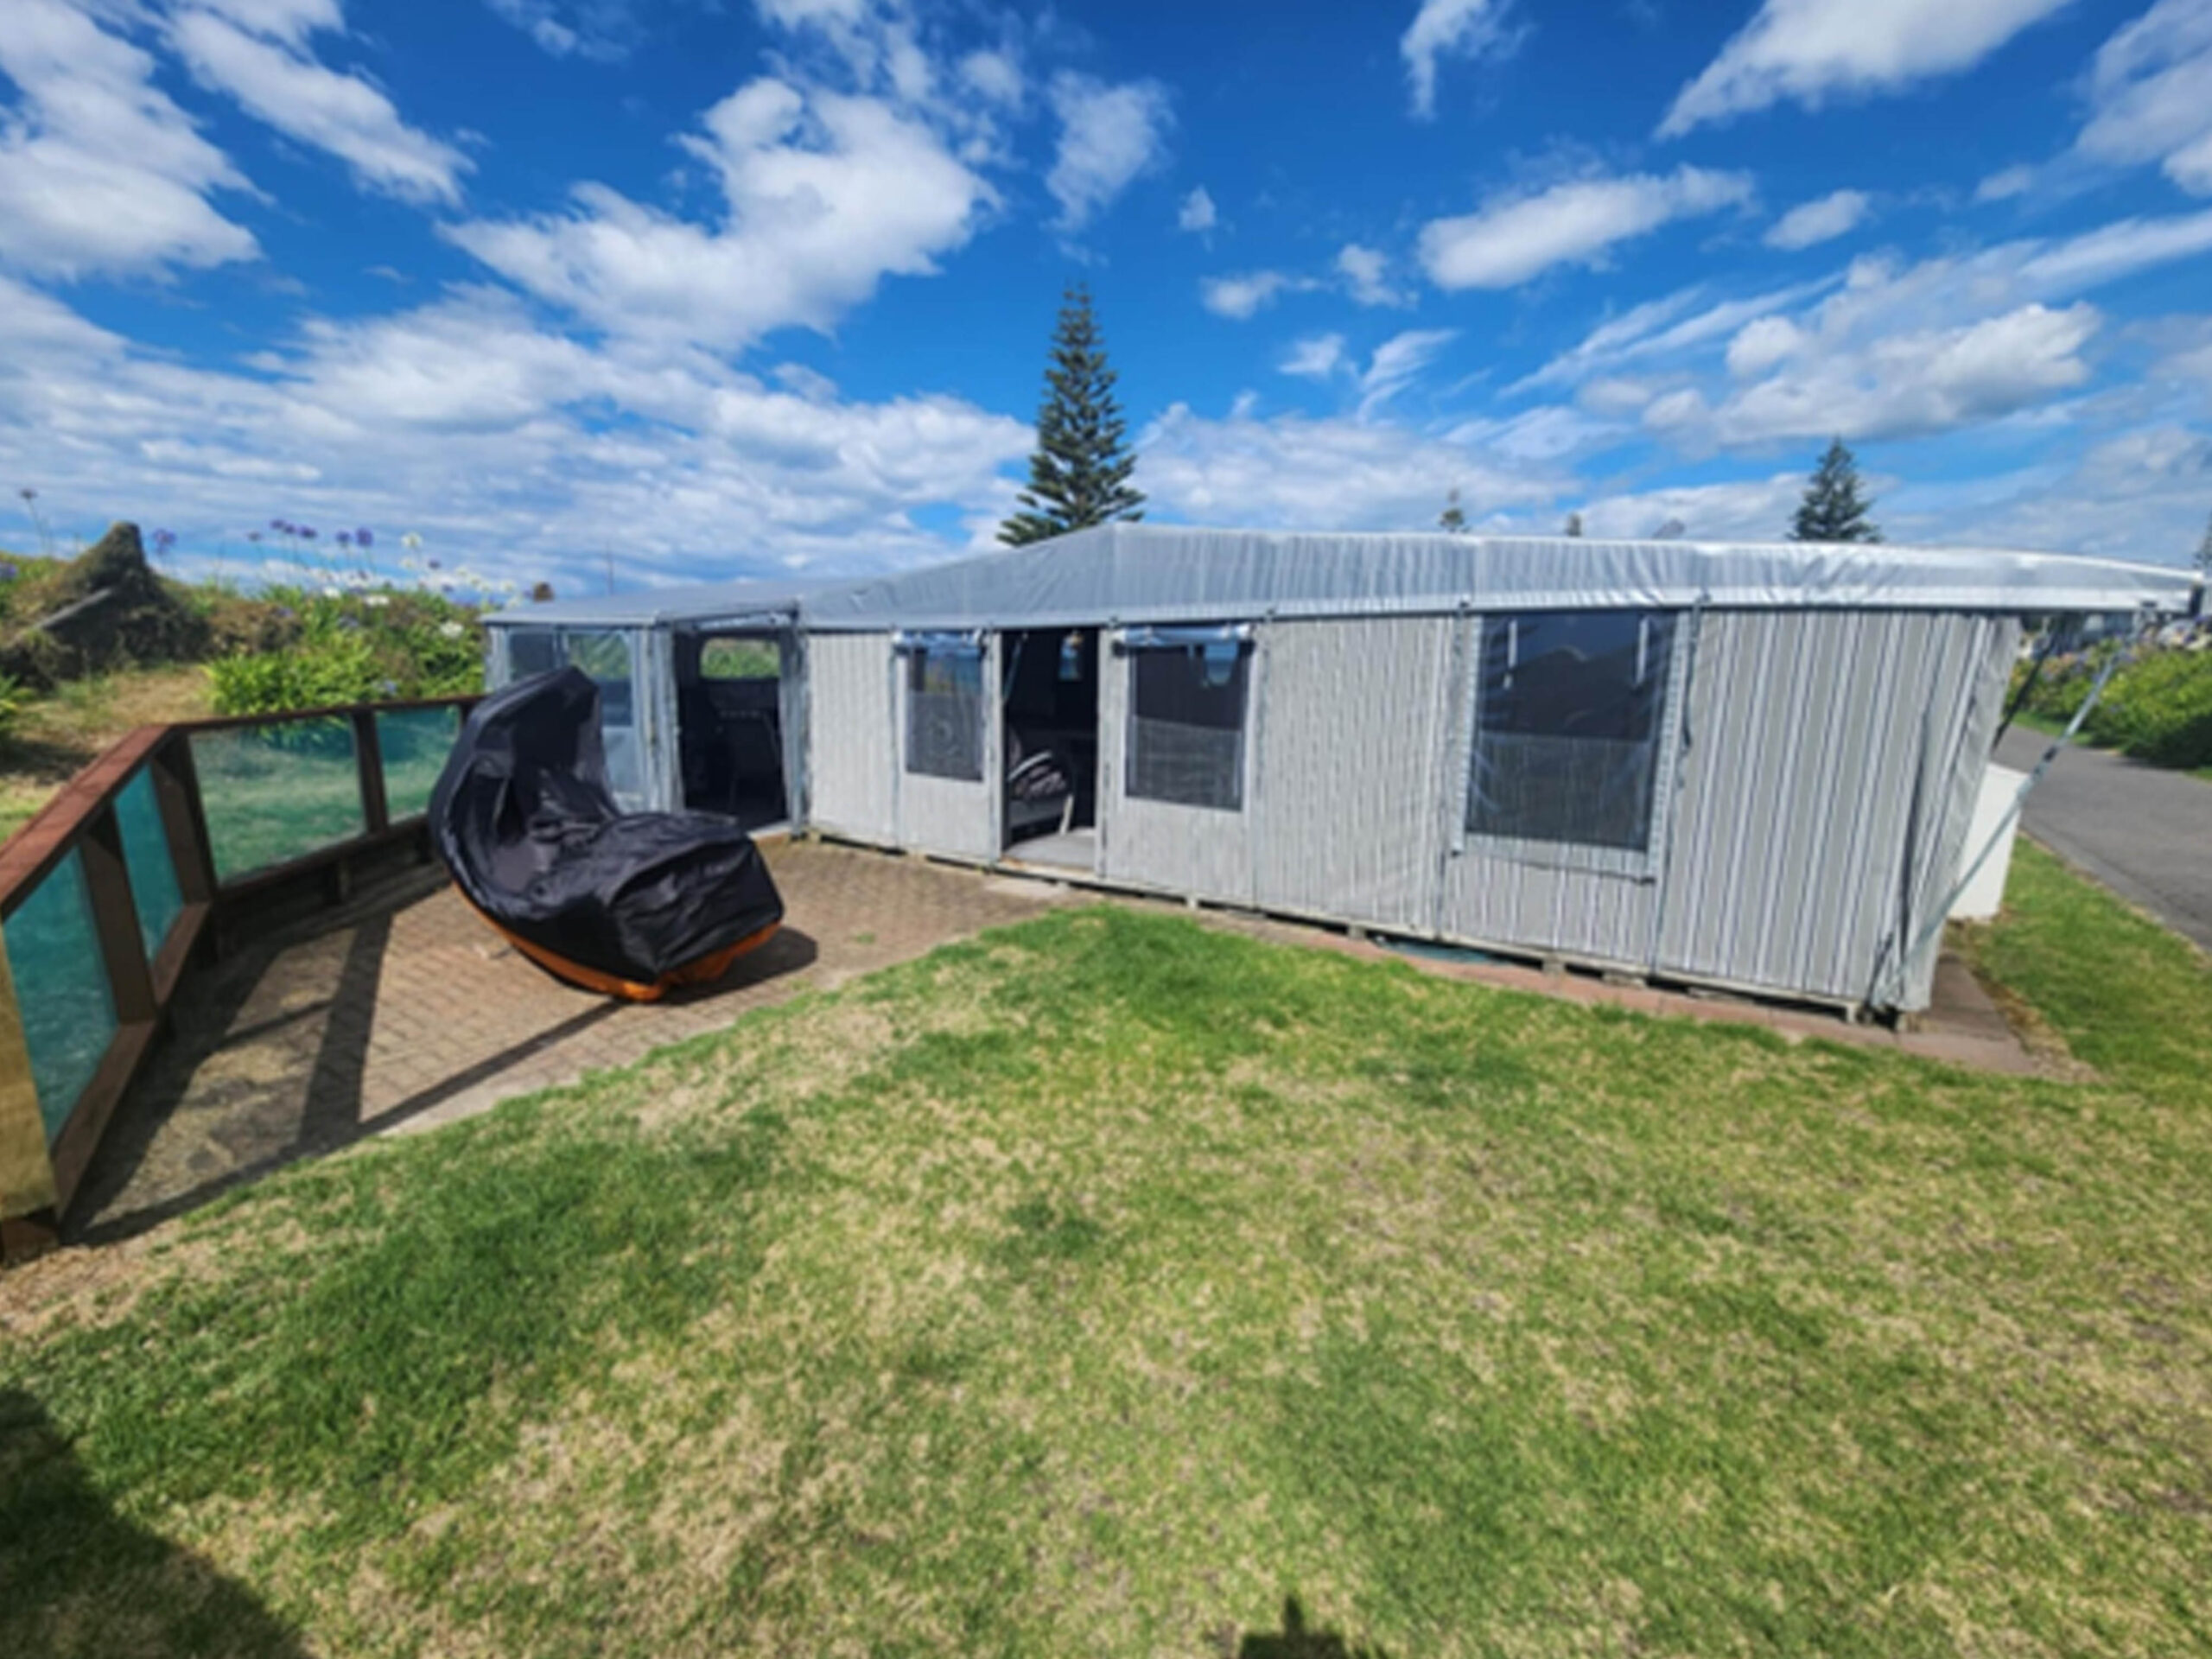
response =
{"points": [[108, 895]]}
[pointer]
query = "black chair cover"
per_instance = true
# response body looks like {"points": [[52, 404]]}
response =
{"points": [[522, 818]]}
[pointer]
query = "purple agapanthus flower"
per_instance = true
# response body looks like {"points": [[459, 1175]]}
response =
{"points": [[306, 532], [7, 571], [280, 526], [362, 538], [344, 538], [164, 540]]}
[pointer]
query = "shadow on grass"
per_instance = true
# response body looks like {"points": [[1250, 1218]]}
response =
{"points": [[1296, 1641], [77, 1579]]}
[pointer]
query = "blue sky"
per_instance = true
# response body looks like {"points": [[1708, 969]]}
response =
{"points": [[721, 286]]}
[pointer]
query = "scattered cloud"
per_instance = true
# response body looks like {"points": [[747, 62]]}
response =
{"points": [[2150, 95], [1455, 28], [1398, 362], [1294, 471], [1820, 221], [1894, 385], [100, 172], [601, 31], [1317, 357], [824, 195], [995, 75], [1810, 51], [273, 78], [1109, 134], [1242, 297], [1515, 238], [1197, 213], [2005, 183], [1365, 275], [467, 421]]}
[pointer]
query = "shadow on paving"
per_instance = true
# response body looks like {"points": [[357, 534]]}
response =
{"points": [[76, 1578], [266, 1089]]}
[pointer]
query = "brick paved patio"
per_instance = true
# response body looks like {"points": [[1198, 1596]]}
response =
{"points": [[406, 1011]]}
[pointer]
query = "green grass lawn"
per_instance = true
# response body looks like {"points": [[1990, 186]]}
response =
{"points": [[1096, 1286]]}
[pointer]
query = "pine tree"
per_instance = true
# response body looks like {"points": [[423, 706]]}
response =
{"points": [[1079, 473], [2204, 551], [1573, 525], [1453, 519], [1833, 510]]}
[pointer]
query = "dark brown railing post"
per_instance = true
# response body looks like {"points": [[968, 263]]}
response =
{"points": [[115, 918], [176, 791], [376, 810]]}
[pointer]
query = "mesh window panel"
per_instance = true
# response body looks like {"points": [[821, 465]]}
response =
{"points": [[154, 890], [62, 989], [531, 651], [1186, 724], [944, 713], [276, 792], [1567, 734], [414, 743]]}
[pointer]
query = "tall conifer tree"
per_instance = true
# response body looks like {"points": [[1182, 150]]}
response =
{"points": [[1079, 473], [1835, 509]]}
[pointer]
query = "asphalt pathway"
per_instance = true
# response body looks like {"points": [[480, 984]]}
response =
{"points": [[2145, 833]]}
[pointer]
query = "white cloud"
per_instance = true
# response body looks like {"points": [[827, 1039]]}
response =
{"points": [[1243, 297], [1811, 50], [1512, 238], [1460, 29], [603, 31], [2111, 252], [1761, 344], [1905, 385], [1398, 362], [1317, 357], [1197, 213], [1820, 221], [1109, 136], [1754, 510], [996, 75], [2150, 95], [273, 80], [825, 194], [100, 172], [466, 422], [2005, 183], [1365, 271], [1296, 472]]}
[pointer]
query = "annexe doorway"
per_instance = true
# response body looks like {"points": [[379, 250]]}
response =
{"points": [[1049, 714], [730, 726]]}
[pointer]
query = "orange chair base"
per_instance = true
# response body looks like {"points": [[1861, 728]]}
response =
{"points": [[704, 971]]}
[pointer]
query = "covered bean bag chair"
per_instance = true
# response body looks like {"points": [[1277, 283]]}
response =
{"points": [[630, 904]]}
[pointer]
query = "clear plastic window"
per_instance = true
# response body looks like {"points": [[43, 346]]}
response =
{"points": [[1186, 724], [1567, 727]]}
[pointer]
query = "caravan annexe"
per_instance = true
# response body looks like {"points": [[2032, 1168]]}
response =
{"points": [[1746, 766]]}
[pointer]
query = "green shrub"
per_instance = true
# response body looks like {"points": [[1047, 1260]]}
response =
{"points": [[11, 704], [353, 647], [2157, 708]]}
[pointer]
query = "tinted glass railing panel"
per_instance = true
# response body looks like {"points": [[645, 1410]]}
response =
{"points": [[61, 989], [154, 887], [273, 793], [415, 743]]}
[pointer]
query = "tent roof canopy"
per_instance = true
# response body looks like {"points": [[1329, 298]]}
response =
{"points": [[1129, 574]]}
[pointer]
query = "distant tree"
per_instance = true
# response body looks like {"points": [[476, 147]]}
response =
{"points": [[1573, 525], [1673, 531], [541, 592], [1834, 508], [1453, 519], [1079, 473]]}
